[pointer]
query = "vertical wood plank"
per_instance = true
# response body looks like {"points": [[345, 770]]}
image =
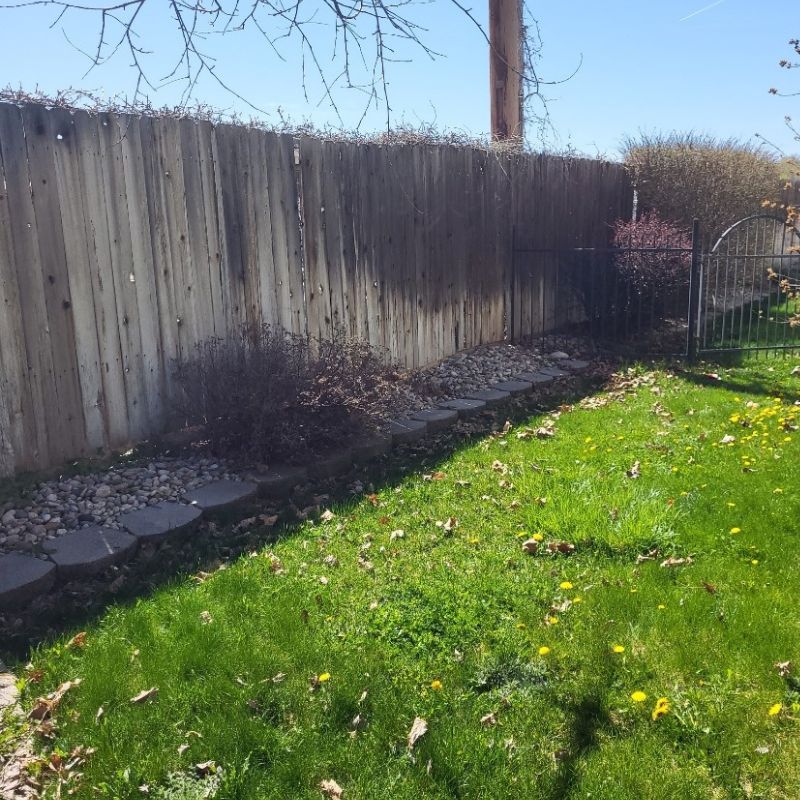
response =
{"points": [[80, 260], [67, 431]]}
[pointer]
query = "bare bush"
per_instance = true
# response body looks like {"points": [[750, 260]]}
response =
{"points": [[268, 395], [685, 175]]}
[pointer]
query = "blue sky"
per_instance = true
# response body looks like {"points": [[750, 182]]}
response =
{"points": [[645, 67]]}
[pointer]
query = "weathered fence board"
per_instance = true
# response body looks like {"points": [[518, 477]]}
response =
{"points": [[125, 241]]}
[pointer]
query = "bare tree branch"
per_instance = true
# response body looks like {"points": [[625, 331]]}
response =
{"points": [[367, 38]]}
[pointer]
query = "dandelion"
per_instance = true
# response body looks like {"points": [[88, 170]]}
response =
{"points": [[576, 600], [661, 708], [775, 709], [552, 620], [660, 606], [521, 625], [544, 650], [777, 490], [436, 685], [754, 562], [565, 585], [326, 676], [617, 648], [638, 696], [538, 537], [736, 530]]}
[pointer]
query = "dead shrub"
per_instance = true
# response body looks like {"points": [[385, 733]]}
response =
{"points": [[270, 396]]}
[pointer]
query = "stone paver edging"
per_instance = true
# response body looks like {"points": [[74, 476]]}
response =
{"points": [[89, 551]]}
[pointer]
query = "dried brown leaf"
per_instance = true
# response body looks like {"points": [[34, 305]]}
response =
{"points": [[145, 695], [331, 789], [530, 546], [677, 562], [418, 729], [565, 548], [78, 640]]}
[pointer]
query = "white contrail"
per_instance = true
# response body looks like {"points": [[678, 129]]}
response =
{"points": [[700, 11]]}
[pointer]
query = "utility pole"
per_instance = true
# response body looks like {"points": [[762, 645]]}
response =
{"points": [[505, 68]]}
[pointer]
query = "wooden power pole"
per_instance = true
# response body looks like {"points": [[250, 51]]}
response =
{"points": [[505, 68]]}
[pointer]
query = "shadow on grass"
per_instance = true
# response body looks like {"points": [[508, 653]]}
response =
{"points": [[745, 386], [589, 716], [217, 541]]}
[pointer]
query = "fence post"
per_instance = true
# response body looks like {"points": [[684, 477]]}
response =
{"points": [[694, 294]]}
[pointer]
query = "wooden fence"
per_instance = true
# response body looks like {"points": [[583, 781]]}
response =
{"points": [[125, 240]]}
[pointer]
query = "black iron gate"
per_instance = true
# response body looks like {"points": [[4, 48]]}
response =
{"points": [[741, 294], [748, 285]]}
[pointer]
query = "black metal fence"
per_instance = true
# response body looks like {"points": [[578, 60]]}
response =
{"points": [[740, 295]]}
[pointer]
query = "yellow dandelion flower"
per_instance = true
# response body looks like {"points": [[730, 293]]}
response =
{"points": [[521, 625], [775, 709], [754, 562], [778, 490], [565, 585], [538, 537], [544, 650], [661, 708], [660, 606], [638, 696], [576, 600], [552, 620], [736, 530], [617, 648], [730, 504], [326, 676], [436, 685]]}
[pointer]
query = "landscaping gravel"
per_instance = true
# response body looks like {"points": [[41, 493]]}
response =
{"points": [[58, 506]]}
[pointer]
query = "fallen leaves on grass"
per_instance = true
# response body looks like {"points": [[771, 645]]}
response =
{"points": [[418, 729], [650, 555], [784, 668], [530, 546], [564, 548], [264, 520], [331, 789], [434, 476], [45, 706], [672, 561], [145, 695], [77, 641]]}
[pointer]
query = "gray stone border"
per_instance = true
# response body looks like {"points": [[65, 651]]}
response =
{"points": [[88, 551]]}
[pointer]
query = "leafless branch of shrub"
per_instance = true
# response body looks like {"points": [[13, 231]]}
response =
{"points": [[686, 175], [273, 396]]}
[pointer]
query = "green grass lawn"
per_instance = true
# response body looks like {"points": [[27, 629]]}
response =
{"points": [[761, 324], [539, 676]]}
